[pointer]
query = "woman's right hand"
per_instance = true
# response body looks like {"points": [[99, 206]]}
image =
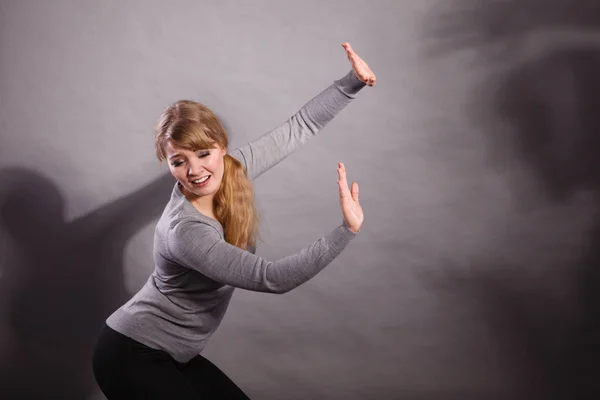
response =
{"points": [[351, 210]]}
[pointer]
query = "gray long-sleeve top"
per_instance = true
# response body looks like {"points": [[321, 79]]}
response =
{"points": [[196, 271]]}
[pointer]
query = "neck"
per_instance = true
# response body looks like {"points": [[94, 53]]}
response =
{"points": [[203, 204]]}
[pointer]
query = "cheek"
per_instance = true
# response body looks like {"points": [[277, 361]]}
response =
{"points": [[217, 166], [176, 172]]}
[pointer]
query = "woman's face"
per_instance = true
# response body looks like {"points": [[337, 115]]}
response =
{"points": [[200, 172]]}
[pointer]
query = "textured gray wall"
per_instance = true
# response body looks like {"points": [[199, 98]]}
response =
{"points": [[465, 255]]}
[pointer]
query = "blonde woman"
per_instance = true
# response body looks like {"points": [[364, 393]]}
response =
{"points": [[204, 246]]}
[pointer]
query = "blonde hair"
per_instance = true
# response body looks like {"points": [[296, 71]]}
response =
{"points": [[193, 126]]}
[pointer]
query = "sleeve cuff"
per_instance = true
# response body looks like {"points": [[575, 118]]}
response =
{"points": [[350, 85], [340, 238]]}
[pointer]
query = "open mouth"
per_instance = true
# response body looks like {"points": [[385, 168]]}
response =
{"points": [[202, 181]]}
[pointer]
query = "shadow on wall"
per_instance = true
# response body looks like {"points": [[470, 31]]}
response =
{"points": [[547, 88], [65, 279]]}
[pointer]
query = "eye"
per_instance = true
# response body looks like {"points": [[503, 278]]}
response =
{"points": [[202, 154], [176, 163]]}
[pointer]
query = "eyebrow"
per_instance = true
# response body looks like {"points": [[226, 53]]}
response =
{"points": [[178, 155]]}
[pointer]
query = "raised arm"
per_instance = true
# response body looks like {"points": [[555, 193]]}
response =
{"points": [[268, 150], [198, 246]]}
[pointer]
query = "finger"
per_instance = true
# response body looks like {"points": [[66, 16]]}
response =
{"points": [[355, 191], [352, 56], [342, 180], [341, 188], [342, 168]]}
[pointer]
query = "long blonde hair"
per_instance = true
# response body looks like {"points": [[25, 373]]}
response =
{"points": [[193, 126]]}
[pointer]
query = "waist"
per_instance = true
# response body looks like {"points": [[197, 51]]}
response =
{"points": [[178, 326]]}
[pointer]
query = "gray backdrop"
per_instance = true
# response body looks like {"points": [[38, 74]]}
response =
{"points": [[473, 273]]}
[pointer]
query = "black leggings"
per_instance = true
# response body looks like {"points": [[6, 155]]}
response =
{"points": [[127, 369]]}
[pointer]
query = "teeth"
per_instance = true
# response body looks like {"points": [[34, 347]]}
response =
{"points": [[201, 179]]}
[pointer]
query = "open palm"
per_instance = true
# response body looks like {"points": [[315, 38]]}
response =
{"points": [[351, 209], [359, 66]]}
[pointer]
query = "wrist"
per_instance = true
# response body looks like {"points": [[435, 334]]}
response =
{"points": [[349, 84], [351, 228]]}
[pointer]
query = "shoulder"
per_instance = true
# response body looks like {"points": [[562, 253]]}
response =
{"points": [[238, 155], [181, 217], [184, 225], [190, 238]]}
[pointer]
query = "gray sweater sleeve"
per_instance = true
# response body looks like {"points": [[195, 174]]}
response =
{"points": [[199, 246], [272, 147]]}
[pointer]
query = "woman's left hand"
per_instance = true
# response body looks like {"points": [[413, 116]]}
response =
{"points": [[360, 67]]}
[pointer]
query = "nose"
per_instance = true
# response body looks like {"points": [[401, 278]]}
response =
{"points": [[196, 167]]}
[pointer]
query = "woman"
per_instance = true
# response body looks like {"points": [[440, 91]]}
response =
{"points": [[204, 247]]}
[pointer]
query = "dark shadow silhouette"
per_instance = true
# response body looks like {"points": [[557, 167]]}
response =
{"points": [[550, 98], [66, 279], [473, 24]]}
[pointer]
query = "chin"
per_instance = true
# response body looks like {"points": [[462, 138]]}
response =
{"points": [[205, 191]]}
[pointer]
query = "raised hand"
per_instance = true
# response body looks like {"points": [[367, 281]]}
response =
{"points": [[360, 67], [351, 210]]}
